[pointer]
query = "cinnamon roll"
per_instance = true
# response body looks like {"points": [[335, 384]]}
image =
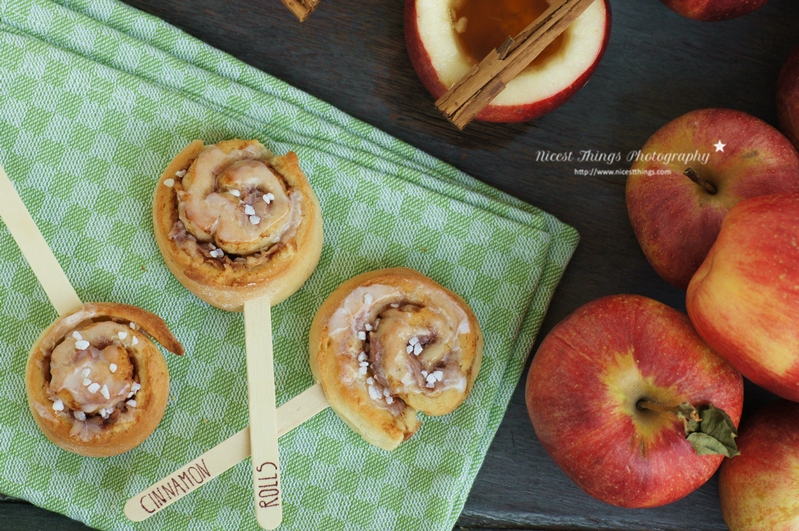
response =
{"points": [[97, 386], [235, 222], [389, 343]]}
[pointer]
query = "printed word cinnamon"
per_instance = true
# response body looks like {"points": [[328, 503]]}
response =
{"points": [[175, 486]]}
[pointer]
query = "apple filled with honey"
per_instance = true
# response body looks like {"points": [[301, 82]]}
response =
{"points": [[446, 38]]}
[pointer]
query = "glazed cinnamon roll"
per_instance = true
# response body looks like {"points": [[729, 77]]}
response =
{"points": [[97, 386], [235, 222], [389, 343]]}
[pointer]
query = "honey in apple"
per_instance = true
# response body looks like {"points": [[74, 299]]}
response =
{"points": [[482, 25]]}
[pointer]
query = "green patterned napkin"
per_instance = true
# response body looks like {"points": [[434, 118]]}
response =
{"points": [[95, 99]]}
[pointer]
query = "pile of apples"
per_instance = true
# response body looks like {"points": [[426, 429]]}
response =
{"points": [[619, 392]]}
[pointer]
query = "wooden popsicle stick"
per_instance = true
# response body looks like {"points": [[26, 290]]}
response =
{"points": [[35, 249], [220, 458], [263, 413]]}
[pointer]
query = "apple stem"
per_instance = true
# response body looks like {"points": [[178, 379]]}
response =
{"points": [[646, 404], [675, 410], [691, 174]]}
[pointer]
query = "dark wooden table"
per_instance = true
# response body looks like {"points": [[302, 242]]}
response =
{"points": [[351, 53]]}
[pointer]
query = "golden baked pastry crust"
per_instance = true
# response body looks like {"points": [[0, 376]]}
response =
{"points": [[129, 426], [395, 309], [277, 270]]}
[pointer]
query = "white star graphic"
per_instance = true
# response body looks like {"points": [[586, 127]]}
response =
{"points": [[719, 146]]}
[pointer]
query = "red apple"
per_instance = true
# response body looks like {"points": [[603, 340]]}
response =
{"points": [[759, 490], [585, 391], [744, 299], [714, 10], [788, 98], [434, 33], [675, 218]]}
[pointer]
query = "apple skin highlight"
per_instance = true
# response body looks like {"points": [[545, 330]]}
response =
{"points": [[587, 379], [759, 489], [430, 78], [714, 10], [744, 299]]}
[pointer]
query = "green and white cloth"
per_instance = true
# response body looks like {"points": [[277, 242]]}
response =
{"points": [[95, 99]]}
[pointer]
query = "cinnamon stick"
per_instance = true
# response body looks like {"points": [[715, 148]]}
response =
{"points": [[301, 8], [466, 98]]}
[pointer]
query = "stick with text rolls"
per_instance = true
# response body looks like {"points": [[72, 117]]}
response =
{"points": [[220, 458]]}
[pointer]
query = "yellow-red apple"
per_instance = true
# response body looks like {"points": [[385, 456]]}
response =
{"points": [[445, 38], [759, 490], [676, 204], [714, 10], [588, 386], [744, 299], [788, 98]]}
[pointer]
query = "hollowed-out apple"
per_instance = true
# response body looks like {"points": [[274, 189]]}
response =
{"points": [[446, 38]]}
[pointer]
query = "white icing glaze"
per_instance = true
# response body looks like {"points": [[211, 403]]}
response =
{"points": [[81, 377], [353, 310], [363, 306], [221, 201]]}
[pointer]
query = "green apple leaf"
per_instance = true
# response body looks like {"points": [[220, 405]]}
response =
{"points": [[709, 430]]}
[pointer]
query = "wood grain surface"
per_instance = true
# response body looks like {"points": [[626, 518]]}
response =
{"points": [[351, 53]]}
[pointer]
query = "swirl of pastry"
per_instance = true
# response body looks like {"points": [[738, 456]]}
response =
{"points": [[389, 343], [97, 386], [235, 223]]}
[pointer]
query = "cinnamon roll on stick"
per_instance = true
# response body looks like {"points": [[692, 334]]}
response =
{"points": [[389, 343], [97, 386], [235, 223]]}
